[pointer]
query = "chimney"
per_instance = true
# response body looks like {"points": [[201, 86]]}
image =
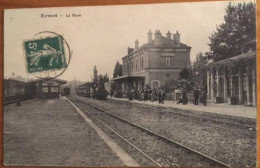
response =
{"points": [[157, 37], [150, 36], [130, 50], [136, 44], [168, 35], [176, 38]]}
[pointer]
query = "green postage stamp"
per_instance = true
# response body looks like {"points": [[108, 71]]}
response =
{"points": [[45, 54]]}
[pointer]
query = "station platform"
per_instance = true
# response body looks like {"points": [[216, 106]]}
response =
{"points": [[222, 108], [53, 133]]}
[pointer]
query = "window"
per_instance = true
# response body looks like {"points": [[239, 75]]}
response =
{"points": [[155, 84], [132, 66], [142, 63], [168, 62], [45, 89], [54, 89], [136, 64]]}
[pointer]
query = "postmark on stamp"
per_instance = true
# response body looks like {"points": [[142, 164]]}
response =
{"points": [[45, 54]]}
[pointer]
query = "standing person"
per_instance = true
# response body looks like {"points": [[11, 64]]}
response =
{"points": [[153, 94], [145, 94], [196, 94], [18, 97], [163, 95], [111, 93], [184, 96], [178, 94], [159, 95], [150, 94], [130, 95], [142, 95], [136, 94], [204, 95]]}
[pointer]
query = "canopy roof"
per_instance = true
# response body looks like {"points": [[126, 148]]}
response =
{"points": [[248, 55]]}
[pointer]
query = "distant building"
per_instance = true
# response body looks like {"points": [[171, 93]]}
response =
{"points": [[48, 88], [154, 64]]}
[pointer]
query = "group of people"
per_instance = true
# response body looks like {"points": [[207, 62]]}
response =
{"points": [[146, 94], [158, 94], [198, 94]]}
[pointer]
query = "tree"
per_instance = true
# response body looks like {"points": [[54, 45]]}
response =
{"points": [[185, 74], [101, 93], [199, 69], [185, 81], [120, 73], [95, 77], [117, 70], [105, 78], [238, 28]]}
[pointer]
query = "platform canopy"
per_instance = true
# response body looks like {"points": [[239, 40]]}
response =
{"points": [[49, 79], [243, 56]]}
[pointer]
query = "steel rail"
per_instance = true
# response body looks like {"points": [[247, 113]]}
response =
{"points": [[15, 101], [161, 136], [139, 150]]}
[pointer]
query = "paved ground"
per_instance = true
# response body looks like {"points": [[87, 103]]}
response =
{"points": [[52, 133], [234, 110]]}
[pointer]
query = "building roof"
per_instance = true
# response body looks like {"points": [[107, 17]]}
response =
{"points": [[49, 79], [127, 76], [167, 43]]}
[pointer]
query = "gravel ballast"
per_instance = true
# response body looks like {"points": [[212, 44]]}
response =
{"points": [[229, 144]]}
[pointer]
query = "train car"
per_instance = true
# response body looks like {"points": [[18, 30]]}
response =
{"points": [[85, 89], [66, 91], [15, 89]]}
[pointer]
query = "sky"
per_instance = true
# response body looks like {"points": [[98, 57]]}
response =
{"points": [[102, 34]]}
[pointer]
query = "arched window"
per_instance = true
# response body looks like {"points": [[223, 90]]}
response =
{"points": [[155, 84]]}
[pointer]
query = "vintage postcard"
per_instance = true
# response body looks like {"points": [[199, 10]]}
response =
{"points": [[152, 85]]}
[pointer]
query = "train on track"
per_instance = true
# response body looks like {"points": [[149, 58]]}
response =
{"points": [[86, 89], [15, 90], [66, 91]]}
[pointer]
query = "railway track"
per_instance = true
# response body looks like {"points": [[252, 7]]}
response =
{"points": [[7, 102], [141, 137], [230, 122]]}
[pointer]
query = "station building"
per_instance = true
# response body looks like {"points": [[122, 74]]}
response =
{"points": [[156, 63], [48, 87], [233, 80]]}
